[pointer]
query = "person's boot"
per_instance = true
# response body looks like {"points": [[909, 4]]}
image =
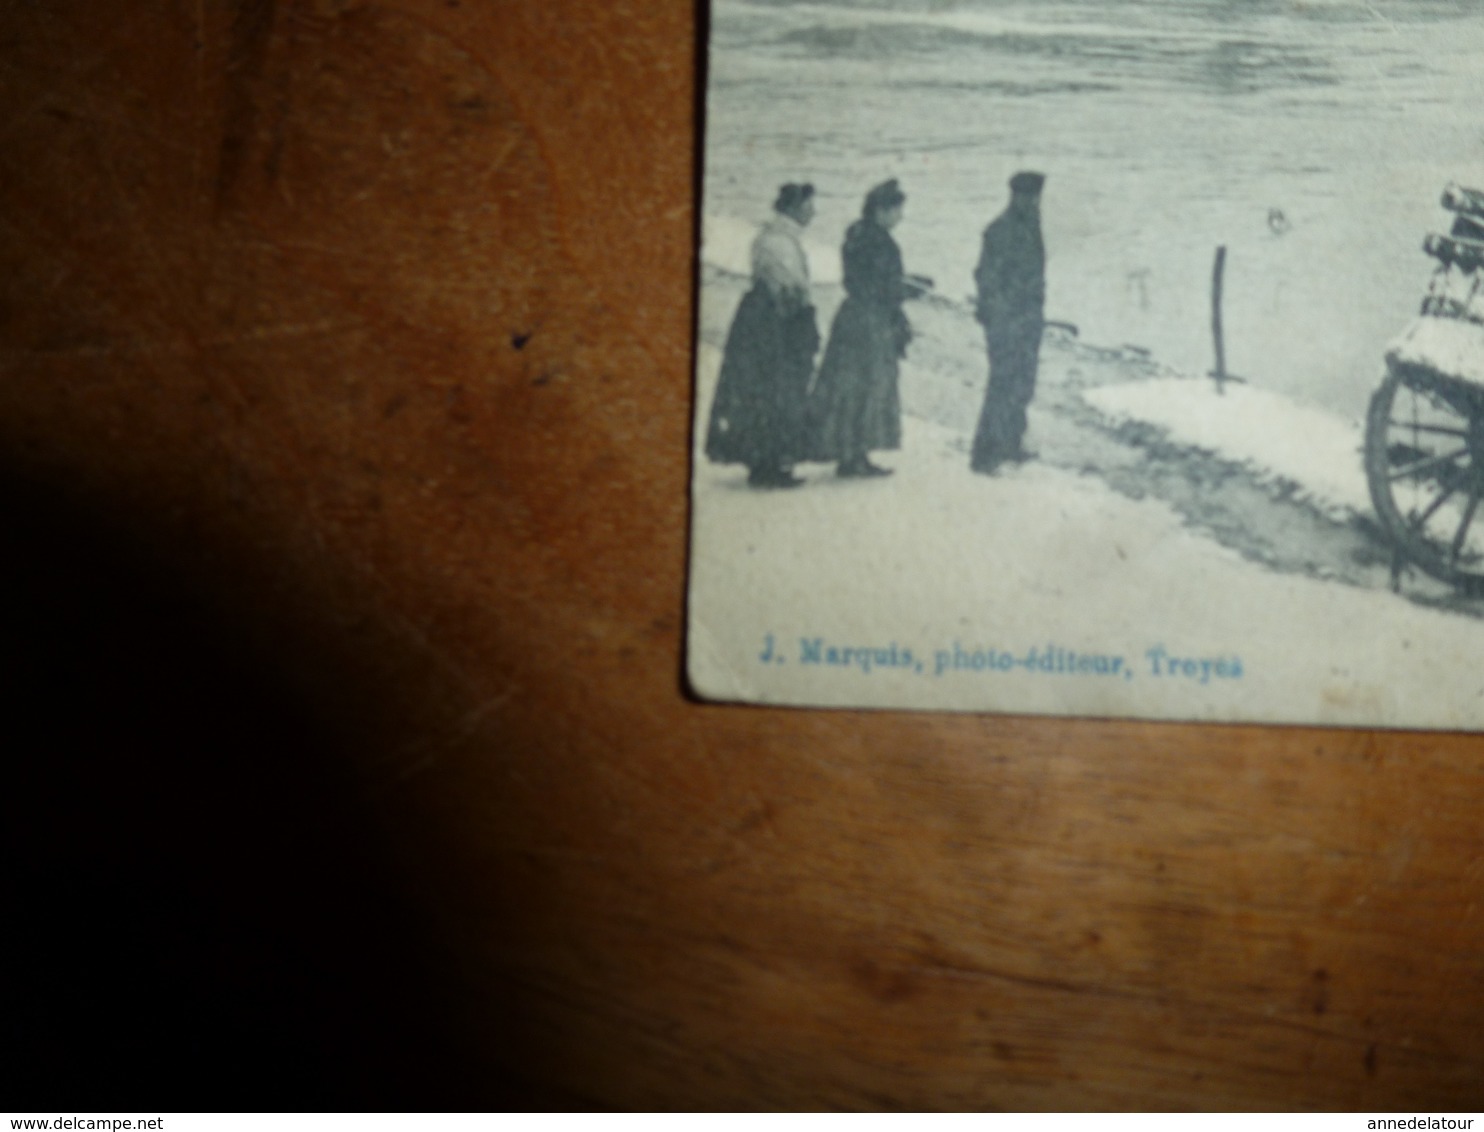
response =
{"points": [[772, 477], [785, 478]]}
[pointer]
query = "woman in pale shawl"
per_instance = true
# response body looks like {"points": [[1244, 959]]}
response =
{"points": [[855, 406], [758, 417]]}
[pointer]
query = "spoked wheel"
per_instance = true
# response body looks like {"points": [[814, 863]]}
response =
{"points": [[1424, 460]]}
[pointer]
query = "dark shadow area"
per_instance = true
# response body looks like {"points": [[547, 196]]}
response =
{"points": [[199, 910], [702, 50]]}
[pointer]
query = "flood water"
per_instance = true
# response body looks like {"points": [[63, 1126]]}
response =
{"points": [[1312, 138]]}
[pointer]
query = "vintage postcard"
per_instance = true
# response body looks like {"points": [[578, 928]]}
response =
{"points": [[1114, 358]]}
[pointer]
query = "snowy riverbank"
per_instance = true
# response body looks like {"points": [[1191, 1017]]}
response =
{"points": [[1314, 454], [1163, 524]]}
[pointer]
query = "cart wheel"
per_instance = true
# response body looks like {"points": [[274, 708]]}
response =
{"points": [[1424, 461]]}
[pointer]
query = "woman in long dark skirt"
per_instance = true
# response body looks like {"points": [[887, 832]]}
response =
{"points": [[758, 416], [855, 406]]}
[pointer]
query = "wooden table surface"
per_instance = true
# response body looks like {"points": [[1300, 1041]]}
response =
{"points": [[345, 355]]}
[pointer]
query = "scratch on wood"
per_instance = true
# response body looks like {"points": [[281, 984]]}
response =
{"points": [[198, 150], [81, 66], [474, 717], [187, 345], [247, 54]]}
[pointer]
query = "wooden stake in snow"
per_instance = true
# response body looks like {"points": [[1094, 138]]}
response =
{"points": [[1217, 271]]}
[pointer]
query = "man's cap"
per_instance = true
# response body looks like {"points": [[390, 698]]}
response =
{"points": [[1027, 182], [791, 195], [888, 194]]}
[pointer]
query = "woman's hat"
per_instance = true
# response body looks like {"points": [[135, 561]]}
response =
{"points": [[888, 194], [790, 196]]}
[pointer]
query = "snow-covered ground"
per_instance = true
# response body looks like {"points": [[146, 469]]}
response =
{"points": [[1273, 436], [1043, 590]]}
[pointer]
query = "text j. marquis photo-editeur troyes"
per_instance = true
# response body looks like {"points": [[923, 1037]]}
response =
{"points": [[1107, 359]]}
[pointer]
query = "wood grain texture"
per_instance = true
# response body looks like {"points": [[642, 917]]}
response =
{"points": [[374, 319]]}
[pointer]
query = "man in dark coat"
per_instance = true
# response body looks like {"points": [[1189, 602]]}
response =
{"points": [[855, 406], [758, 416], [1011, 280]]}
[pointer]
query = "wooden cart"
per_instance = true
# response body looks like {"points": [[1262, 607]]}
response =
{"points": [[1424, 442]]}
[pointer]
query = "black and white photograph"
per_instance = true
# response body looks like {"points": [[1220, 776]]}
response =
{"points": [[1114, 359]]}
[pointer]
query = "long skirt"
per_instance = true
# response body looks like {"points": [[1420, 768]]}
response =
{"points": [[855, 405], [758, 416]]}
